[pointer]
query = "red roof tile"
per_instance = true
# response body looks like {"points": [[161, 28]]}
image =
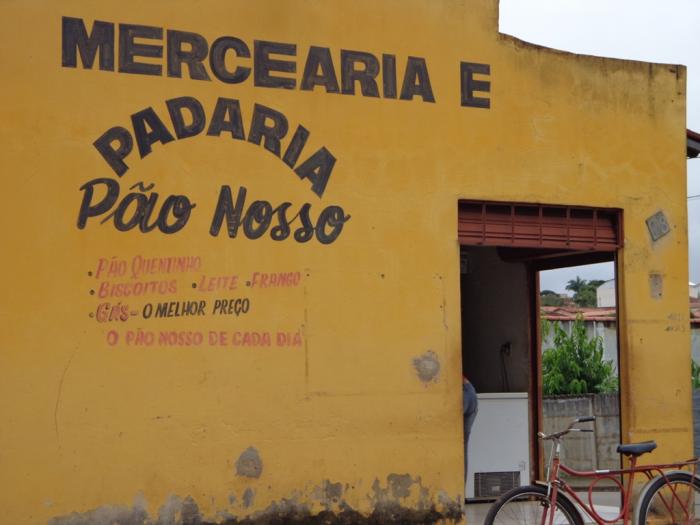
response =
{"points": [[569, 313]]}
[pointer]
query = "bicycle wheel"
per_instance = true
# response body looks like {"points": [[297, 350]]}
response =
{"points": [[670, 501], [529, 506]]}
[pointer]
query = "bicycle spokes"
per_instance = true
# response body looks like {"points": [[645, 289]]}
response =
{"points": [[676, 502], [531, 506]]}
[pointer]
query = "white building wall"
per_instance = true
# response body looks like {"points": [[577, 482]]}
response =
{"points": [[695, 342], [605, 294]]}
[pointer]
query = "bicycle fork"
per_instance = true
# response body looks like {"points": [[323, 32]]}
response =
{"points": [[552, 484]]}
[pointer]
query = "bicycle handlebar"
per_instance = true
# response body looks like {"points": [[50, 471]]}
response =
{"points": [[570, 428]]}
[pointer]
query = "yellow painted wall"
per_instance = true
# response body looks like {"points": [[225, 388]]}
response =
{"points": [[351, 417]]}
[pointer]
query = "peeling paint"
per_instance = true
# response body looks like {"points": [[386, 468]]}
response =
{"points": [[330, 495], [656, 285], [109, 515], [427, 366], [168, 512], [386, 504], [292, 512], [248, 498], [400, 485], [178, 511], [190, 512], [249, 464]]}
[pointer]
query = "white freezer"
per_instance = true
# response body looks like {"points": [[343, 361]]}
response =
{"points": [[499, 446]]}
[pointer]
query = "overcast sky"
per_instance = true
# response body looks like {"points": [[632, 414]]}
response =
{"points": [[665, 31]]}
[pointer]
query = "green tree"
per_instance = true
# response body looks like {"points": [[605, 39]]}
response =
{"points": [[575, 364], [695, 374], [584, 291], [575, 284], [550, 298], [586, 297]]}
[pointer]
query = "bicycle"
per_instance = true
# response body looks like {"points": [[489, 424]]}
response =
{"points": [[671, 494]]}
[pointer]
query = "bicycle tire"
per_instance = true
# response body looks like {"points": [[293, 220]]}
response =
{"points": [[526, 505], [658, 506]]}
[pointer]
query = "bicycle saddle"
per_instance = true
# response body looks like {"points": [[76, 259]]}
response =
{"points": [[636, 449]]}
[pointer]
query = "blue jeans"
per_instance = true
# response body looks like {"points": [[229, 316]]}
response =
{"points": [[470, 407]]}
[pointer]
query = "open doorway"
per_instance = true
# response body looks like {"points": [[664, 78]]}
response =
{"points": [[496, 358], [503, 249], [578, 315]]}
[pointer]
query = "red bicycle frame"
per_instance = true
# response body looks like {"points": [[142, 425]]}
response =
{"points": [[555, 484]]}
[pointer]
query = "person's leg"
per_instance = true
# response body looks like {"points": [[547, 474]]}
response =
{"points": [[466, 451], [468, 422], [470, 411]]}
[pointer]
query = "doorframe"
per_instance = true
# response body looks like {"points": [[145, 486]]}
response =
{"points": [[538, 257]]}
